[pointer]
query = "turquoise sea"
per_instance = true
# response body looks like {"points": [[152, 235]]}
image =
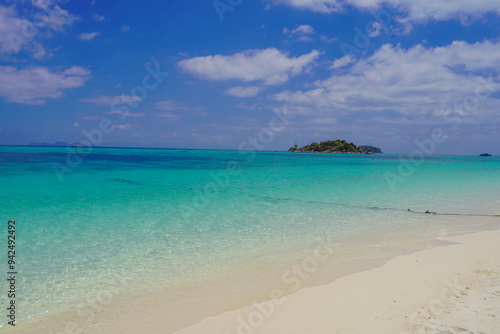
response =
{"points": [[117, 218]]}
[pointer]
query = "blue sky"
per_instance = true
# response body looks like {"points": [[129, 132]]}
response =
{"points": [[212, 74]]}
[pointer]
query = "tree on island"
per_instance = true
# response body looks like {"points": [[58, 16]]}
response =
{"points": [[329, 146], [371, 149]]}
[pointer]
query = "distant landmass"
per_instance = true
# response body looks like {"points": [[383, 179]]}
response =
{"points": [[371, 149], [335, 146], [56, 144]]}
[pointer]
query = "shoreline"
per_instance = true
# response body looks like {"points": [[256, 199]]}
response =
{"points": [[433, 295], [153, 311]]}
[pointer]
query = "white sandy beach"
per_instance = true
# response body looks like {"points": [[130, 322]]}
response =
{"points": [[452, 289]]}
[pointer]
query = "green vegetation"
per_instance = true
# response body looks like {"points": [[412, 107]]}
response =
{"points": [[370, 149], [329, 146]]}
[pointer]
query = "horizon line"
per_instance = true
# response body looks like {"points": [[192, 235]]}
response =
{"points": [[222, 149]]}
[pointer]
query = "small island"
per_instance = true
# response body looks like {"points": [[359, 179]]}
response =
{"points": [[335, 146], [56, 144], [371, 149]]}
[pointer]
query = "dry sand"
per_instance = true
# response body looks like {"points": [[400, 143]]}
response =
{"points": [[452, 289]]}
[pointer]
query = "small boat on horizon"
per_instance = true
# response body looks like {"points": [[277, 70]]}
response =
{"points": [[485, 155]]}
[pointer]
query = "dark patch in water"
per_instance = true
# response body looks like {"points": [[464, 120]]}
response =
{"points": [[124, 181], [378, 208]]}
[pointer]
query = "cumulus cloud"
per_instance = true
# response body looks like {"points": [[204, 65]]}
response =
{"points": [[317, 6], [302, 33], [110, 100], [240, 91], [343, 62], [376, 29], [53, 17], [270, 66], [328, 40], [12, 35], [415, 81], [445, 10], [35, 84], [421, 10], [88, 36], [77, 70], [303, 29], [19, 34]]}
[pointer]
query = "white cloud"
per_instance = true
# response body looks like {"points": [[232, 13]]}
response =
{"points": [[317, 6], [123, 126], [128, 114], [416, 11], [173, 105], [343, 62], [302, 32], [88, 36], [125, 28], [376, 29], [76, 124], [77, 70], [269, 66], [53, 17], [328, 40], [305, 39], [13, 38], [168, 105], [415, 81], [110, 100], [34, 84], [169, 115], [244, 91], [98, 18], [444, 10], [303, 29], [19, 34]]}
